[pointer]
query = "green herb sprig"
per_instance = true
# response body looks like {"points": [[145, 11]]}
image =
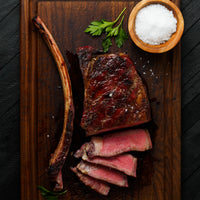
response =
{"points": [[48, 195], [96, 28]]}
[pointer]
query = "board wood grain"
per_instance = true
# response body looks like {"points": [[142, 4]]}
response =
{"points": [[42, 102]]}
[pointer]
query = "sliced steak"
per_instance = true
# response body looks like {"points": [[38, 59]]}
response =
{"points": [[116, 143], [97, 185], [115, 96], [125, 162], [103, 173]]}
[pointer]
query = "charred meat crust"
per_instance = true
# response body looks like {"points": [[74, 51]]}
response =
{"points": [[86, 54], [97, 185], [124, 162], [58, 157], [103, 173], [88, 148], [115, 96]]}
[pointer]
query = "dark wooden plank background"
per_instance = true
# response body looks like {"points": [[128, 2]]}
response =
{"points": [[9, 100]]}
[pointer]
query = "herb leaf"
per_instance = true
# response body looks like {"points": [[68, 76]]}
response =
{"points": [[108, 29], [120, 15], [96, 28], [48, 195], [106, 44], [105, 24], [121, 37], [96, 23], [113, 32]]}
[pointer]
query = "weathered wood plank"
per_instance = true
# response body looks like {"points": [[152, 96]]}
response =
{"points": [[191, 15], [191, 151], [27, 102], [190, 64], [190, 192], [191, 39], [184, 4], [7, 7], [9, 100], [190, 90], [9, 153], [190, 101], [9, 38], [191, 113], [9, 84]]}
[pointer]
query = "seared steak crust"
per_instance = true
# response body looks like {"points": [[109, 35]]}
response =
{"points": [[103, 173], [95, 184], [115, 96], [124, 162]]}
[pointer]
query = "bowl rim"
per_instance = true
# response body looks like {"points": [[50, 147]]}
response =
{"points": [[164, 47]]}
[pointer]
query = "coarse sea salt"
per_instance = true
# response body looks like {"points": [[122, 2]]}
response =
{"points": [[155, 24]]}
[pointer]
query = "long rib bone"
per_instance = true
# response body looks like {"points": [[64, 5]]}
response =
{"points": [[58, 157]]}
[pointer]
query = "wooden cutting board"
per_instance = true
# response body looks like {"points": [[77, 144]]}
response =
{"points": [[158, 174]]}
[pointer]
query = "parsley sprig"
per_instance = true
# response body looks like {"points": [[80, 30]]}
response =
{"points": [[48, 195], [96, 28]]}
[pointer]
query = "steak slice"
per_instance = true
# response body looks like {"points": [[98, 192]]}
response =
{"points": [[103, 173], [116, 143], [125, 162], [97, 185], [114, 96], [58, 157]]}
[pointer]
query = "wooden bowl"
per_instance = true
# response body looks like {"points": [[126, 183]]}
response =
{"points": [[175, 38]]}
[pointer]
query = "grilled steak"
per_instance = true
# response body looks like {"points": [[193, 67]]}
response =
{"points": [[125, 162], [97, 185], [115, 96], [103, 173], [58, 157], [116, 143]]}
